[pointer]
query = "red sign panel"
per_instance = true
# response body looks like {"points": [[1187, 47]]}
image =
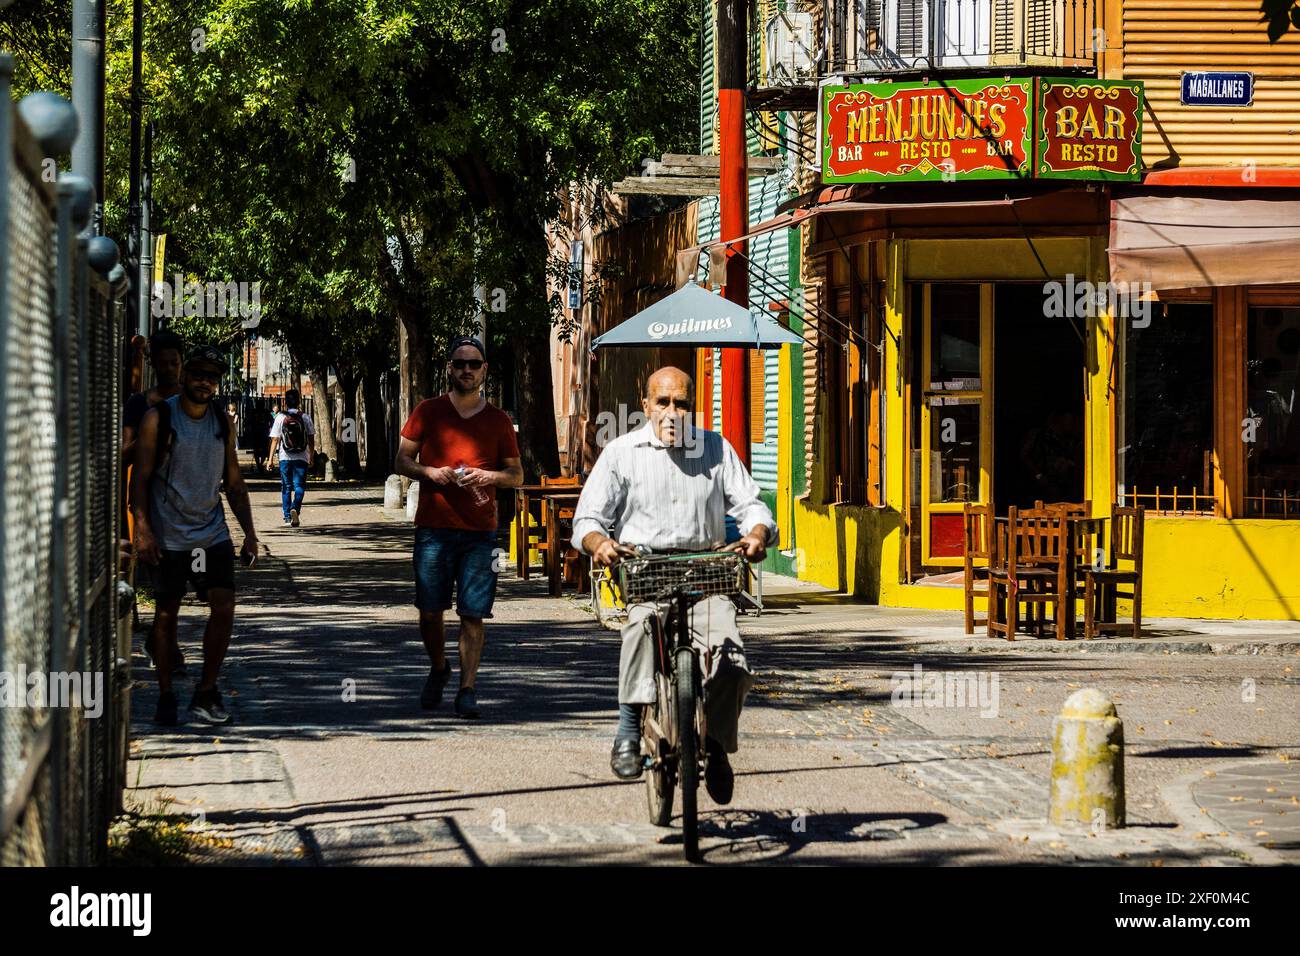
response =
{"points": [[1089, 129], [892, 132]]}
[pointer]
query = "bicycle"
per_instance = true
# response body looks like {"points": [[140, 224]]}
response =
{"points": [[673, 728]]}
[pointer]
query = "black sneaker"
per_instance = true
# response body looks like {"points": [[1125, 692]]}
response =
{"points": [[165, 715], [207, 705], [431, 696], [466, 703]]}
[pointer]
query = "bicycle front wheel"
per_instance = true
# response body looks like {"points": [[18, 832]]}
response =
{"points": [[656, 722], [685, 697]]}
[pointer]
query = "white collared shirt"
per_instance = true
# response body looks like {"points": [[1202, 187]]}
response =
{"points": [[644, 492]]}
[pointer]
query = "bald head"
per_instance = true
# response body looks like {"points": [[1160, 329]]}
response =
{"points": [[669, 398], [668, 375]]}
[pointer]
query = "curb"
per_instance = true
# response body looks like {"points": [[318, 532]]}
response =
{"points": [[1177, 796], [1149, 646]]}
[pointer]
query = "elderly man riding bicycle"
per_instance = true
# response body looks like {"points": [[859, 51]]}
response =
{"points": [[669, 487]]}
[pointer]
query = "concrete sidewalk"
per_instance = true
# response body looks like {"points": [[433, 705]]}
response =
{"points": [[329, 759]]}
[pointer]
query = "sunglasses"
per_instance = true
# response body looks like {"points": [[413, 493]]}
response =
{"points": [[472, 364], [201, 376]]}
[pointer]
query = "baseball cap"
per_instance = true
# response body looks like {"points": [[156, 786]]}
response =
{"points": [[465, 340], [206, 355]]}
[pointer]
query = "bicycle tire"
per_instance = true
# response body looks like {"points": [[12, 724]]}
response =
{"points": [[659, 780], [685, 699]]}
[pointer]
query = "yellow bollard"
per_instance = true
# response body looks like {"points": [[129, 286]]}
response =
{"points": [[1087, 763]]}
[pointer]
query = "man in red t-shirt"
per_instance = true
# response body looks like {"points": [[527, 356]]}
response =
{"points": [[461, 449]]}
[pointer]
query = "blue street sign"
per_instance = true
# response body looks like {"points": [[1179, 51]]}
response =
{"points": [[1217, 88]]}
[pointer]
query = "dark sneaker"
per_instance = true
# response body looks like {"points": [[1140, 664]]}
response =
{"points": [[431, 696], [165, 715], [466, 703], [718, 778], [293, 517], [207, 705]]}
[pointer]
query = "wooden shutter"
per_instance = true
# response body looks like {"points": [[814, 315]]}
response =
{"points": [[911, 36], [757, 397]]}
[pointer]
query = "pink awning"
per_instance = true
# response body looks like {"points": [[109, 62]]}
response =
{"points": [[1183, 242]]}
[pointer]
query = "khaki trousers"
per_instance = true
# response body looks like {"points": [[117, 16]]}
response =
{"points": [[714, 632]]}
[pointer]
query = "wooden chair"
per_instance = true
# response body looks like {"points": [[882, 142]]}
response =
{"points": [[1079, 509], [543, 543], [1034, 572], [1101, 586], [978, 544]]}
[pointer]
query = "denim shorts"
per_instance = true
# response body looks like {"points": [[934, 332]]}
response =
{"points": [[468, 559]]}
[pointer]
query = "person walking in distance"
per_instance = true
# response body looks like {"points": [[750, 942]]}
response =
{"points": [[185, 451], [166, 353], [294, 435], [461, 449]]}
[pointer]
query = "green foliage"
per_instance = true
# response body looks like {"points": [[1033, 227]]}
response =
{"points": [[1280, 15], [366, 157]]}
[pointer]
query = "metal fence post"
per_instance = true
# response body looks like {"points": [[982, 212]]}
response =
{"points": [[6, 163]]}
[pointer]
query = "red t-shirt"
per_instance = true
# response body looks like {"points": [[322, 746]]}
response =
{"points": [[484, 440]]}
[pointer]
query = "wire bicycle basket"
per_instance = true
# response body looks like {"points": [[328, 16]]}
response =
{"points": [[655, 577]]}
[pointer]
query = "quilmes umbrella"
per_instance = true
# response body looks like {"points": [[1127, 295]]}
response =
{"points": [[693, 316]]}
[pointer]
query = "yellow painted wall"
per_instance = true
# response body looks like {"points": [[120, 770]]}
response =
{"points": [[1209, 567], [1194, 567]]}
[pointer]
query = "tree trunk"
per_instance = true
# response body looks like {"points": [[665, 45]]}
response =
{"points": [[349, 436], [323, 418], [379, 457], [534, 393]]}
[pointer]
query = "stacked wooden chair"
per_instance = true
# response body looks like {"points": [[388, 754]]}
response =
{"points": [[1033, 571], [1102, 586]]}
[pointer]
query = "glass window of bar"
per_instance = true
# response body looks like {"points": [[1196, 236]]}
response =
{"points": [[1272, 428], [1165, 452]]}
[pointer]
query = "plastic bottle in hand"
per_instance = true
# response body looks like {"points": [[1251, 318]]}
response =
{"points": [[479, 496]]}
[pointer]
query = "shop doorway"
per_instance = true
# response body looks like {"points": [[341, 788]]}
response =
{"points": [[1038, 410]]}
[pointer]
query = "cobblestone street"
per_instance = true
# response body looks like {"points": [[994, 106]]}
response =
{"points": [[832, 767]]}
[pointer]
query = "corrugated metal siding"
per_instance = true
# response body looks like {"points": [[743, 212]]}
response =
{"points": [[769, 281], [708, 73], [1162, 38]]}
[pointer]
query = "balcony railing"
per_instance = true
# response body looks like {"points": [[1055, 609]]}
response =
{"points": [[884, 37]]}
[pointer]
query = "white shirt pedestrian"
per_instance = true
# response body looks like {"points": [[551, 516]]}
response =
{"points": [[277, 430]]}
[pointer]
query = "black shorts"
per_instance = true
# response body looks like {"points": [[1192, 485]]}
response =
{"points": [[205, 568]]}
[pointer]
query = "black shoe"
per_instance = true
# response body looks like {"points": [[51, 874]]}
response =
{"points": [[718, 778], [206, 705], [165, 715], [431, 696], [625, 759], [466, 703]]}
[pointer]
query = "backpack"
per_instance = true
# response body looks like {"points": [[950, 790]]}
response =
{"points": [[167, 434], [293, 433]]}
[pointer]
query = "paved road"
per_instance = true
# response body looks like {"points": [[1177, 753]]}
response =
{"points": [[329, 759]]}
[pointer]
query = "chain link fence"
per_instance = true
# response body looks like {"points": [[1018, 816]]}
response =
{"points": [[63, 651]]}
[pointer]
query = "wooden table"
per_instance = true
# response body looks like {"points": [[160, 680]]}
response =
{"points": [[523, 514], [554, 553], [1079, 528]]}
